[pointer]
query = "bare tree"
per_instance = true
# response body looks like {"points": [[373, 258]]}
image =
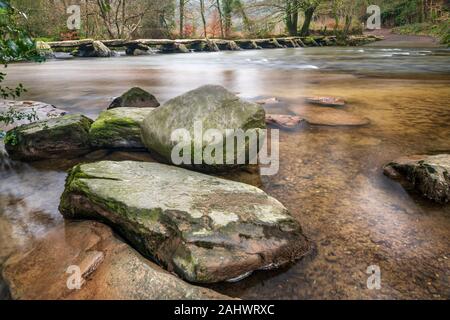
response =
{"points": [[219, 10], [121, 17], [182, 7]]}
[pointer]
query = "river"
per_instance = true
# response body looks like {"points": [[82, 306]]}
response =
{"points": [[330, 178]]}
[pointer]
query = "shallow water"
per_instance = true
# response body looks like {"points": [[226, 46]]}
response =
{"points": [[330, 177]]}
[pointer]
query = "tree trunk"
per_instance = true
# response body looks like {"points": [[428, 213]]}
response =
{"points": [[292, 16], [202, 10], [308, 17], [182, 3], [294, 13], [239, 7], [227, 12], [348, 24], [222, 33]]}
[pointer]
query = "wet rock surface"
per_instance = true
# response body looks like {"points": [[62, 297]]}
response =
{"points": [[63, 137], [135, 98], [119, 128], [213, 107], [109, 269], [429, 175], [203, 228]]}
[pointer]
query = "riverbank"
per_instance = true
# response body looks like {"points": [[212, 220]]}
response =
{"points": [[398, 39]]}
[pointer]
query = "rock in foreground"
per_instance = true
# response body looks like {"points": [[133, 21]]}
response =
{"points": [[211, 107], [430, 175], [204, 228], [62, 137], [135, 98], [119, 128], [110, 269]]}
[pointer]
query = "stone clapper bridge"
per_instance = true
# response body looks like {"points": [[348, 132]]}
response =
{"points": [[143, 46]]}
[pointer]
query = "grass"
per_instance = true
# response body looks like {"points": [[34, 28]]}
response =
{"points": [[440, 30]]}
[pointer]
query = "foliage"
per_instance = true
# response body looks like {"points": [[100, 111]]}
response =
{"points": [[15, 45], [11, 138], [100, 19], [440, 30], [13, 115]]}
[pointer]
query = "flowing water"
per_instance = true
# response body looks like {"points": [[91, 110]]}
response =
{"points": [[330, 178]]}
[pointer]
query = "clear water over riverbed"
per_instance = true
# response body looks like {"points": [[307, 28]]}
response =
{"points": [[330, 177]]}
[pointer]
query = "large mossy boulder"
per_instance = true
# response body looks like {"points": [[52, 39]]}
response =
{"points": [[429, 175], [119, 128], [109, 269], [63, 137], [206, 229], [208, 107], [135, 98]]}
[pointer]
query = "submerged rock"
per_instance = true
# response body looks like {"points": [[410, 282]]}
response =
{"points": [[284, 121], [119, 128], [135, 98], [63, 137], [326, 101], [329, 116], [272, 100], [430, 175], [30, 109], [211, 107], [110, 269], [204, 228]]}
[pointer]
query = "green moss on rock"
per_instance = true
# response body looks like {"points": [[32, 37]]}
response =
{"points": [[119, 128], [63, 137]]}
